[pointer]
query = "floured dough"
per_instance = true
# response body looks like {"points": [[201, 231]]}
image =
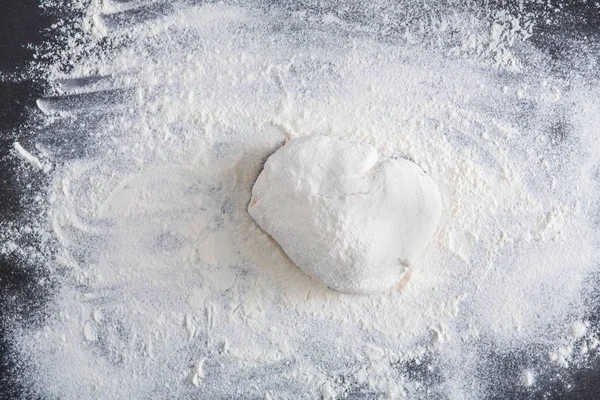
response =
{"points": [[345, 217]]}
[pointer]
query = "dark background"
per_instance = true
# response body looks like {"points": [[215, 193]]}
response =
{"points": [[23, 23]]}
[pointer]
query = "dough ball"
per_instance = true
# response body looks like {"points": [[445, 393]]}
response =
{"points": [[348, 219]]}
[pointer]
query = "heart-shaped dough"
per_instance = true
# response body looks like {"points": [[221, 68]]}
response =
{"points": [[346, 218]]}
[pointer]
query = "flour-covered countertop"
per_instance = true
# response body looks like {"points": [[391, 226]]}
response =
{"points": [[132, 268]]}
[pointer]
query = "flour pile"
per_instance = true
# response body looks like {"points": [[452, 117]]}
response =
{"points": [[350, 220], [160, 120]]}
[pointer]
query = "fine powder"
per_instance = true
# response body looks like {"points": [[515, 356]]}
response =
{"points": [[346, 218], [158, 121]]}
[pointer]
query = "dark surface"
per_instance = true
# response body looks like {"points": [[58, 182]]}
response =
{"points": [[22, 23]]}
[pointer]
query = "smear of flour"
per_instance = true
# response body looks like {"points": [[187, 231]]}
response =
{"points": [[168, 289]]}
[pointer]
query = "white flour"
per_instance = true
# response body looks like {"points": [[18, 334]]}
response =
{"points": [[350, 220], [168, 289]]}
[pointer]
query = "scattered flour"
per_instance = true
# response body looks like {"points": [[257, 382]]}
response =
{"points": [[30, 158], [527, 378], [168, 288]]}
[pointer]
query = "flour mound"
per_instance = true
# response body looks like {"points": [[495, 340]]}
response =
{"points": [[348, 219]]}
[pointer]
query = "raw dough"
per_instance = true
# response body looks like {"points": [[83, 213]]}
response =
{"points": [[345, 217]]}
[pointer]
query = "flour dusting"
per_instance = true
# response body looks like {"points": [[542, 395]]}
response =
{"points": [[167, 288]]}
